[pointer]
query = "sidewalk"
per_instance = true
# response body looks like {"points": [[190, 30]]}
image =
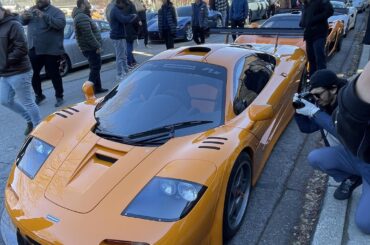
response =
{"points": [[336, 225]]}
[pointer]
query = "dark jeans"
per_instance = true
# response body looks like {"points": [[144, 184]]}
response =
{"points": [[144, 31], [168, 39], [315, 50], [94, 60], [51, 63], [237, 24], [130, 56], [198, 35]]}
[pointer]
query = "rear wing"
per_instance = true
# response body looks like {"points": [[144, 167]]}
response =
{"points": [[277, 32]]}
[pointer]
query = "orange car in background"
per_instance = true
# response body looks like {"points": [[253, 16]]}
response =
{"points": [[169, 156], [291, 20]]}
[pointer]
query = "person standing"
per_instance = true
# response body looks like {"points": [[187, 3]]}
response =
{"points": [[141, 12], [199, 21], [45, 35], [132, 30], [238, 14], [167, 23], [89, 41], [314, 20], [221, 6], [117, 21], [16, 71]]}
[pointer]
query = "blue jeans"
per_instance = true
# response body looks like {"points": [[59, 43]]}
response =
{"points": [[21, 86], [339, 163], [121, 57], [130, 56], [316, 54]]}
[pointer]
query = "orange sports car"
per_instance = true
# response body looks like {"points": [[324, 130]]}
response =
{"points": [[169, 156], [291, 20]]}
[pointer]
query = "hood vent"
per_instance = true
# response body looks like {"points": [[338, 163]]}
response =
{"points": [[104, 158], [213, 143], [69, 111]]}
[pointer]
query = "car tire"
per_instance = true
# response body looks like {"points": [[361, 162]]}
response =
{"points": [[339, 44], [235, 207], [64, 65], [188, 33]]}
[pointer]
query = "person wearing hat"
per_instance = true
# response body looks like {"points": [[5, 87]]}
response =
{"points": [[316, 115]]}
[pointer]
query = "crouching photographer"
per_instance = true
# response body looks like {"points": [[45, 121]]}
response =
{"points": [[337, 161], [314, 111]]}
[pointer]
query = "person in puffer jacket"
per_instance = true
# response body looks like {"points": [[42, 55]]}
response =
{"points": [[199, 21], [16, 71], [89, 41], [238, 14], [167, 23]]}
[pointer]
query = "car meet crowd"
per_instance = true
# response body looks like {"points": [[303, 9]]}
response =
{"points": [[178, 143]]}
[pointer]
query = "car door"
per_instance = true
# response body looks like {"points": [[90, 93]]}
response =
{"points": [[73, 51], [108, 49]]}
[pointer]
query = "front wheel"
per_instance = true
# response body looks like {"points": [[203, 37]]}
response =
{"points": [[188, 33], [64, 65], [237, 195]]}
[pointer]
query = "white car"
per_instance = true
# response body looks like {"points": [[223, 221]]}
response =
{"points": [[359, 5], [345, 14]]}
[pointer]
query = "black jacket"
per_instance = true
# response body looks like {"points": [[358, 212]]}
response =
{"points": [[314, 19], [13, 48], [352, 121], [87, 33], [132, 28], [167, 11]]}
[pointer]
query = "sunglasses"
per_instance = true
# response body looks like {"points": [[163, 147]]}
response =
{"points": [[318, 95]]}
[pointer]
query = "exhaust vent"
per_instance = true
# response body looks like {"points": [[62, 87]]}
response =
{"points": [[213, 143]]}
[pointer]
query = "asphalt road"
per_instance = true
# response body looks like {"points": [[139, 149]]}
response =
{"points": [[277, 199]]}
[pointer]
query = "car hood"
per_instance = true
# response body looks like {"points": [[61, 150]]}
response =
{"points": [[84, 168], [333, 18], [153, 26]]}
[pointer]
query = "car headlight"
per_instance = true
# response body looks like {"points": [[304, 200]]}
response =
{"points": [[32, 156], [165, 199]]}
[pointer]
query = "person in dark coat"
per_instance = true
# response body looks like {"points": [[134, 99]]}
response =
{"points": [[16, 71], [238, 14], [45, 35], [314, 20], [132, 30], [117, 22], [199, 21], [167, 23], [89, 41], [141, 12]]}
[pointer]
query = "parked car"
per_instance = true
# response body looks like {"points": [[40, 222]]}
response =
{"points": [[258, 9], [169, 156], [345, 14], [184, 29], [73, 56], [291, 19], [359, 4]]}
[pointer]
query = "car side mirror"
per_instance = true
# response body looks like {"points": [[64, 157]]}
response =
{"points": [[88, 89], [260, 112]]}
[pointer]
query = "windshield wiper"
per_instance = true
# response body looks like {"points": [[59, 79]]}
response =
{"points": [[164, 132], [115, 137]]}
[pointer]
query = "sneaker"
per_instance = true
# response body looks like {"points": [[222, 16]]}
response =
{"points": [[28, 129], [148, 46], [39, 99], [344, 191], [101, 90], [59, 102]]}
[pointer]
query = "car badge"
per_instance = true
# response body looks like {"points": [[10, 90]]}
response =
{"points": [[52, 218]]}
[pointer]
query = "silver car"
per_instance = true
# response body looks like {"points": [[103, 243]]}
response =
{"points": [[73, 57]]}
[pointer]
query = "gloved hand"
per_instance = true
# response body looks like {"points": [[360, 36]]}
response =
{"points": [[309, 109]]}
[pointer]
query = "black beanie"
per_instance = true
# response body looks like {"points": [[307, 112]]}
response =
{"points": [[327, 79]]}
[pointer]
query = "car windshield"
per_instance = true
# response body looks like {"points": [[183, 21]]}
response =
{"points": [[282, 22], [184, 11], [68, 30], [165, 92], [338, 4]]}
